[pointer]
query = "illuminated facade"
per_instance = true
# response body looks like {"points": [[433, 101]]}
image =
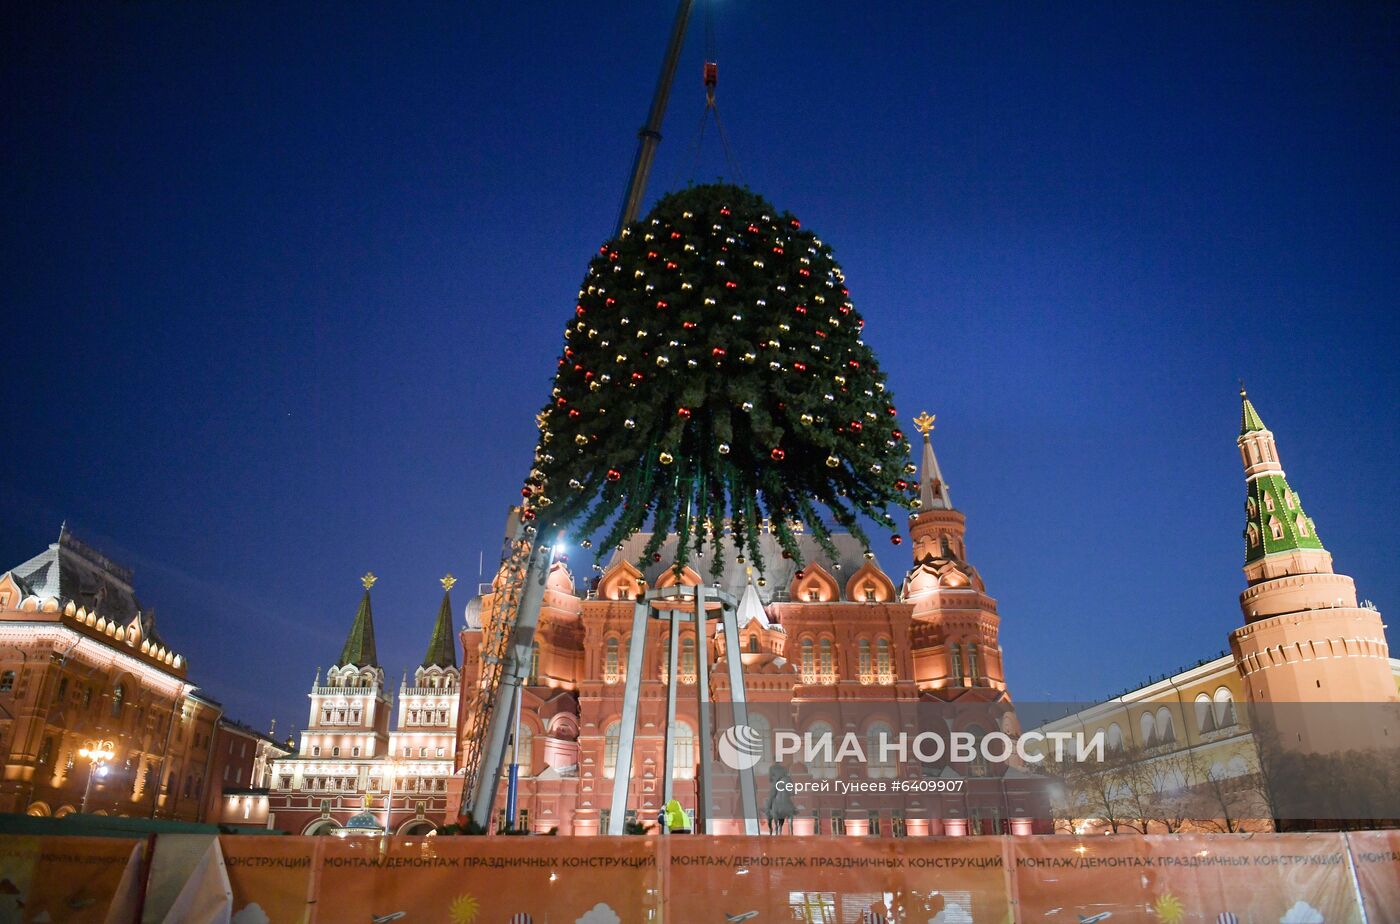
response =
{"points": [[83, 669], [364, 751], [241, 771], [838, 631]]}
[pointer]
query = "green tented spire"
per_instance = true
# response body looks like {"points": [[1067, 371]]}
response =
{"points": [[1274, 517], [1250, 420], [442, 651], [359, 646]]}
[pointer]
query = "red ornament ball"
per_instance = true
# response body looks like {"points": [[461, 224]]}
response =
{"points": [[896, 540], [856, 426], [777, 454], [683, 412], [614, 474], [656, 556]]}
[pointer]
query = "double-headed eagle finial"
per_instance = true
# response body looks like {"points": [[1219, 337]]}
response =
{"points": [[368, 580], [924, 422], [447, 582]]}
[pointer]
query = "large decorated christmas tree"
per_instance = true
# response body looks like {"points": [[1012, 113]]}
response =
{"points": [[714, 378]]}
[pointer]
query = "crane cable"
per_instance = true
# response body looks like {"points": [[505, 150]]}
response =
{"points": [[711, 79]]}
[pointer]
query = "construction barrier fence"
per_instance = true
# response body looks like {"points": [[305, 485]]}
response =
{"points": [[1162, 879]]}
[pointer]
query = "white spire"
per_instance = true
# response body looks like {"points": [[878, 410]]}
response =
{"points": [[750, 607], [933, 490]]}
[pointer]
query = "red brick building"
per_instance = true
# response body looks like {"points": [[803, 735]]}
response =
{"points": [[842, 630]]}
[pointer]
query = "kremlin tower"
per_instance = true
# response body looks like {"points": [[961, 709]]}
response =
{"points": [[351, 772], [1305, 639]]}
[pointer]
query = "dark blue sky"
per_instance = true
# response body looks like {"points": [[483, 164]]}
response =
{"points": [[284, 285]]}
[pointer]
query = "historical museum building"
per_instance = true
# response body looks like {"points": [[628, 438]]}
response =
{"points": [[368, 761], [97, 711], [1305, 639], [842, 635]]}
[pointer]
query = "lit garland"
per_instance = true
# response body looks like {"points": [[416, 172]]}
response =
{"points": [[714, 377]]}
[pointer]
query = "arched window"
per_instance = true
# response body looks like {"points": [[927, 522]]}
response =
{"points": [[1224, 708], [1115, 738], [1275, 527], [979, 766], [828, 660], [809, 661], [753, 644], [880, 761], [1147, 727], [955, 664], [1166, 730], [973, 669], [1205, 714], [866, 666], [884, 667], [525, 749], [682, 752], [610, 737], [821, 763], [611, 669], [118, 694], [534, 663], [688, 659]]}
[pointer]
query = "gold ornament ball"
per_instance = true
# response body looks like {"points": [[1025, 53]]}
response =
{"points": [[580, 439], [666, 458], [832, 462]]}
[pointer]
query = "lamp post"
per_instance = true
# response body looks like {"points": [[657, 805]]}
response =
{"points": [[392, 766], [97, 754]]}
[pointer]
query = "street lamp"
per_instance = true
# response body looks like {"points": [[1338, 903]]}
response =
{"points": [[97, 754]]}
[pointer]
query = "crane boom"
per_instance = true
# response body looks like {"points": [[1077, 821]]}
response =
{"points": [[650, 135]]}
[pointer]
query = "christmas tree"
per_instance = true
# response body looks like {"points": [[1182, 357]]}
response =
{"points": [[713, 378]]}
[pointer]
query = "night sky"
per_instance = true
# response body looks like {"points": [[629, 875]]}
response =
{"points": [[284, 286]]}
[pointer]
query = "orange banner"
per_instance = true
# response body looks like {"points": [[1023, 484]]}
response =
{"points": [[270, 877], [1375, 855], [834, 880], [489, 880], [69, 879], [1168, 879]]}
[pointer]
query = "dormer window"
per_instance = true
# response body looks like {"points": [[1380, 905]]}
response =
{"points": [[1288, 499], [1268, 502], [1302, 524], [1253, 534], [1275, 527], [1251, 509]]}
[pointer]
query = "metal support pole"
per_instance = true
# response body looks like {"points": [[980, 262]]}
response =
{"points": [[650, 135], [516, 667], [673, 647], [87, 790], [513, 776], [739, 705], [627, 734], [702, 695]]}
